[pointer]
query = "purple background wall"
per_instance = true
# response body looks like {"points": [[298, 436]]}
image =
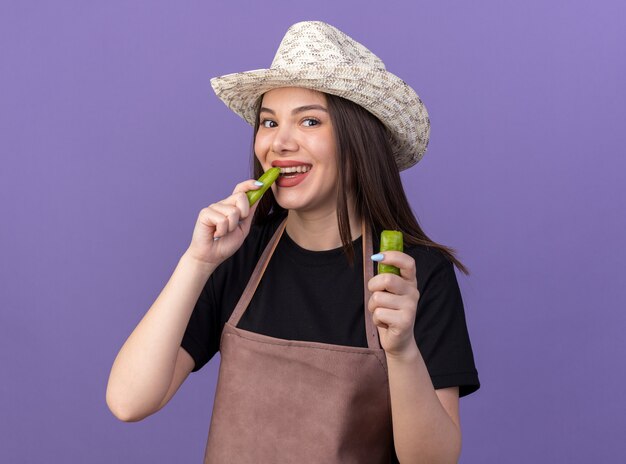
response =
{"points": [[111, 141]]}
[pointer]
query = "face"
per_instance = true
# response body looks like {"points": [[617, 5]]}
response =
{"points": [[296, 134]]}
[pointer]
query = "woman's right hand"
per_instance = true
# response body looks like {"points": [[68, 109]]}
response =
{"points": [[222, 227], [151, 364]]}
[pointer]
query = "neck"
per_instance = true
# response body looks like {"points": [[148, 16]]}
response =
{"points": [[319, 231]]}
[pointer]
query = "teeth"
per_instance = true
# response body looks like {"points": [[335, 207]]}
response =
{"points": [[293, 169]]}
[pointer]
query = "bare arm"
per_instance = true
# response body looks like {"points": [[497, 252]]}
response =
{"points": [[143, 370], [151, 365], [426, 426]]}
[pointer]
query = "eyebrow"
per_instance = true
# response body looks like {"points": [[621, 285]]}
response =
{"points": [[297, 110]]}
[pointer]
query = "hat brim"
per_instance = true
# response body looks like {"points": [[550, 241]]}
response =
{"points": [[380, 92]]}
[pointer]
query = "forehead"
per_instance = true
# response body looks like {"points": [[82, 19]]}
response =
{"points": [[292, 97]]}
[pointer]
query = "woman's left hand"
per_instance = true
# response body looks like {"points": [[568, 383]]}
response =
{"points": [[393, 304]]}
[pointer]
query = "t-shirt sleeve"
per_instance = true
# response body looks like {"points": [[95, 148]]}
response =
{"points": [[441, 330], [201, 338]]}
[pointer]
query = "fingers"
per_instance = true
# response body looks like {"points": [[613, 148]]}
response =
{"points": [[398, 321], [394, 298], [392, 301], [402, 261], [240, 201], [394, 312], [393, 284], [226, 215], [388, 283], [239, 197], [246, 185]]}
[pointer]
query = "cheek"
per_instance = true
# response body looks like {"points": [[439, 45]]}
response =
{"points": [[260, 146], [330, 158]]}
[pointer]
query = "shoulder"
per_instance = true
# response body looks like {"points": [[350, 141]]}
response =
{"points": [[432, 268], [428, 258]]}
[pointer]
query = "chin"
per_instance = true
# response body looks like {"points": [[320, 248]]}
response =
{"points": [[300, 201], [290, 204]]}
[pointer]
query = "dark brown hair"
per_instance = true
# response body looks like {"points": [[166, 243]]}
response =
{"points": [[367, 169]]}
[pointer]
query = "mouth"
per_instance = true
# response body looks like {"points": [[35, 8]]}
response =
{"points": [[290, 176], [293, 171]]}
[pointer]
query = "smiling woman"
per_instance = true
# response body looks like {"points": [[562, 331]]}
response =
{"points": [[295, 132], [321, 360]]}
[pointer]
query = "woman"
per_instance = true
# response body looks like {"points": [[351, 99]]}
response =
{"points": [[321, 361]]}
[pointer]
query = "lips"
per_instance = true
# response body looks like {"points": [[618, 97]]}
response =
{"points": [[291, 172]]}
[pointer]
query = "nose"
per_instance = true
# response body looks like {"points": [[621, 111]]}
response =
{"points": [[284, 140]]}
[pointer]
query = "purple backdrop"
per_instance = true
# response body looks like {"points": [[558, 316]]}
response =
{"points": [[111, 141]]}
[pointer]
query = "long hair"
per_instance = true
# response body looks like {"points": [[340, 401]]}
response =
{"points": [[367, 169]]}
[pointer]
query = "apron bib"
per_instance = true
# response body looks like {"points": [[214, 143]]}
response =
{"points": [[287, 401]]}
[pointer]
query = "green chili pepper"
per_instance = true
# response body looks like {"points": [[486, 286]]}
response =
{"points": [[268, 179], [390, 240]]}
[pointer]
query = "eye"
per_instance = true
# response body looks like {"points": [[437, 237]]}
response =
{"points": [[268, 123], [310, 122]]}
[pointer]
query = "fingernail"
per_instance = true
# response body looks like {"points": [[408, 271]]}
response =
{"points": [[378, 257], [257, 183], [215, 239]]}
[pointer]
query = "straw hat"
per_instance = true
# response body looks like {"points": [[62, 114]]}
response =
{"points": [[318, 56]]}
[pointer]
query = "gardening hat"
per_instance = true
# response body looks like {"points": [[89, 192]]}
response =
{"points": [[318, 56]]}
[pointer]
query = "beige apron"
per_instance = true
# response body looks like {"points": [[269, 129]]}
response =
{"points": [[286, 401]]}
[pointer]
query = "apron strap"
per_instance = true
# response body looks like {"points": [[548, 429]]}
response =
{"points": [[255, 278], [371, 330]]}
